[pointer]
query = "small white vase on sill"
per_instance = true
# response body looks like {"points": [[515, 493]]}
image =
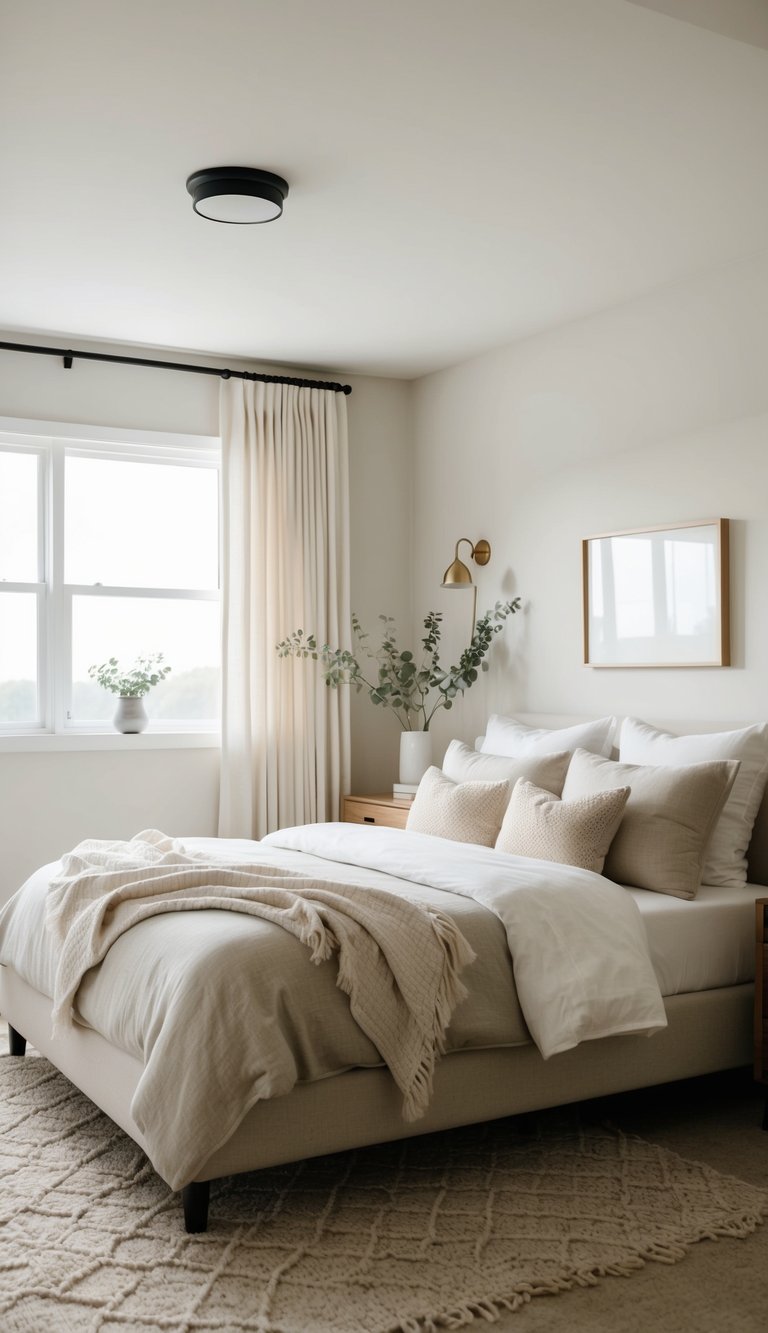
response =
{"points": [[131, 715], [415, 755]]}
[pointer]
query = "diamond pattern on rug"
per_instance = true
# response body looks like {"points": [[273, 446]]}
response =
{"points": [[427, 1234]]}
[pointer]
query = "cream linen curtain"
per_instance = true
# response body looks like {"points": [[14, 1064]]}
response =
{"points": [[285, 566]]}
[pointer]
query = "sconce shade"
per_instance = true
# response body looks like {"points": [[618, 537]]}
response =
{"points": [[457, 574], [240, 195]]}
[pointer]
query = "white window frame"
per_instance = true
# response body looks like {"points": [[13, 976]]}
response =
{"points": [[52, 442]]}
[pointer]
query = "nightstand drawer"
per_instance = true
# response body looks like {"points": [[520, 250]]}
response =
{"points": [[381, 810]]}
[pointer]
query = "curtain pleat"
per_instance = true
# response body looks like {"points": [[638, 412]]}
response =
{"points": [[285, 566]]}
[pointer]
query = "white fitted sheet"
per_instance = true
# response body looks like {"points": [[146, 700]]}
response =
{"points": [[702, 944]]}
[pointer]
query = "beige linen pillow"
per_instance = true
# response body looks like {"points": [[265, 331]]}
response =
{"points": [[577, 833], [726, 862], [668, 820], [507, 736], [461, 764], [462, 811]]}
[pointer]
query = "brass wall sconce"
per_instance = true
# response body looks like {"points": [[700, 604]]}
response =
{"points": [[457, 575]]}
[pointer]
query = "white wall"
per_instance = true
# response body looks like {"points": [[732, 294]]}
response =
{"points": [[48, 801], [650, 413]]}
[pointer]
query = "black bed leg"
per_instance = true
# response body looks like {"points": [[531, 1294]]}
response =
{"points": [[195, 1199], [18, 1043], [765, 1114]]}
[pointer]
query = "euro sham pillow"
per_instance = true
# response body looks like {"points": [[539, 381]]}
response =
{"points": [[461, 811], [726, 861], [668, 821], [461, 764], [507, 736], [575, 833]]}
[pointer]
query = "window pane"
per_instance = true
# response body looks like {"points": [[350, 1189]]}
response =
{"points": [[18, 517], [141, 525], [18, 657], [186, 633]]}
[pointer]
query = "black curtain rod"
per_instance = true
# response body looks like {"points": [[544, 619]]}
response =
{"points": [[68, 355]]}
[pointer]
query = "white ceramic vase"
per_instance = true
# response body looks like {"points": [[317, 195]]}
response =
{"points": [[131, 715], [415, 755]]}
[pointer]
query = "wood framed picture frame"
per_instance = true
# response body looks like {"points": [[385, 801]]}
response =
{"points": [[658, 597]]}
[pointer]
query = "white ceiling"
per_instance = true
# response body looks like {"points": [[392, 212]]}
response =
{"points": [[462, 174]]}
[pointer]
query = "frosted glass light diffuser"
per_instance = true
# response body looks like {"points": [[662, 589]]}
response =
{"points": [[239, 195]]}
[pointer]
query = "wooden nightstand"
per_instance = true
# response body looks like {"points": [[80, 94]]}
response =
{"points": [[384, 810], [761, 996]]}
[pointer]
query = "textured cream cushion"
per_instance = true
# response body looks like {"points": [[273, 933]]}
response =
{"points": [[577, 833], [463, 811], [668, 820], [505, 735], [726, 863], [461, 764]]}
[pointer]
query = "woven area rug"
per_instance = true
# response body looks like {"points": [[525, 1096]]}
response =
{"points": [[430, 1234]]}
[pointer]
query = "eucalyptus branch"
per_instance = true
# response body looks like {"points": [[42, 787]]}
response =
{"points": [[130, 682], [459, 678], [405, 686], [341, 667]]}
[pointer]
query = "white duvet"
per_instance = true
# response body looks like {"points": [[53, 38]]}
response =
{"points": [[577, 941], [186, 996]]}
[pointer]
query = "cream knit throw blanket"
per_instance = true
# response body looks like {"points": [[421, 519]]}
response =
{"points": [[399, 962]]}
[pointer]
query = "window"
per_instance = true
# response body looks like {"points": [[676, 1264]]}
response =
{"points": [[108, 548]]}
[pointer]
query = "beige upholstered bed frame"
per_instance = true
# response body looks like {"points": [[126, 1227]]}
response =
{"points": [[708, 1031]]}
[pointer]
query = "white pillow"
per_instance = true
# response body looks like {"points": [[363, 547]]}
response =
{"points": [[726, 861], [575, 833], [546, 770], [507, 736], [668, 821], [462, 811]]}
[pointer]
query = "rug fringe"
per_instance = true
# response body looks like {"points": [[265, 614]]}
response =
{"points": [[665, 1252]]}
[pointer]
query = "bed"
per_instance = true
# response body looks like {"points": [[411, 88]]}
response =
{"points": [[342, 1097]]}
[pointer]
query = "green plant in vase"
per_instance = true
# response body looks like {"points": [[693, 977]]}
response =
{"points": [[414, 687], [131, 684]]}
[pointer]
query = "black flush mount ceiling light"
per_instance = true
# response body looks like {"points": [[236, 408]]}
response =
{"points": [[242, 195]]}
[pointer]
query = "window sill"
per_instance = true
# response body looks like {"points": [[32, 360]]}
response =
{"points": [[33, 742]]}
